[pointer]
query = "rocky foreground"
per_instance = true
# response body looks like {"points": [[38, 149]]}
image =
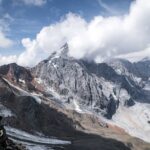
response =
{"points": [[13, 146]]}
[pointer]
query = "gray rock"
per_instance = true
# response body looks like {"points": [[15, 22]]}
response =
{"points": [[86, 82]]}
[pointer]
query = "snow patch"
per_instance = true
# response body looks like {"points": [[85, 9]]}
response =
{"points": [[22, 135], [36, 97], [55, 66], [76, 106], [147, 87], [39, 80], [107, 88], [123, 96], [129, 82], [37, 147], [5, 112], [22, 81], [135, 120]]}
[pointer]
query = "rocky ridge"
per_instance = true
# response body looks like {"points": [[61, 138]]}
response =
{"points": [[69, 98]]}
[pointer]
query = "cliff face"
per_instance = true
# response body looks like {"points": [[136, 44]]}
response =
{"points": [[96, 87]]}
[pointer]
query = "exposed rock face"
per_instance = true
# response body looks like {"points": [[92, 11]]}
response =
{"points": [[95, 86], [16, 73], [137, 73], [144, 69]]}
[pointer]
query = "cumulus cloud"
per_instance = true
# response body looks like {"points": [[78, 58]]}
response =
{"points": [[100, 39], [4, 41], [136, 56], [7, 59]]}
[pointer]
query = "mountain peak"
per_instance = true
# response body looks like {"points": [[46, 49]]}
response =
{"points": [[65, 47], [62, 52], [14, 72]]}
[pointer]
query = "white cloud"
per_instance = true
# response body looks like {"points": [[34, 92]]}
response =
{"points": [[4, 41], [136, 56], [100, 39], [34, 2], [7, 59]]}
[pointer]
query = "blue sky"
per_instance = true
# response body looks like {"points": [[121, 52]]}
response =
{"points": [[98, 30], [21, 19]]}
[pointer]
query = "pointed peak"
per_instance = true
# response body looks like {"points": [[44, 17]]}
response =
{"points": [[65, 46], [62, 52]]}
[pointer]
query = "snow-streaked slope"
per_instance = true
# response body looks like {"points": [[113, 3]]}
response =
{"points": [[25, 93], [135, 120], [147, 86], [36, 147], [24, 136], [34, 142], [5, 112], [31, 146], [124, 67]]}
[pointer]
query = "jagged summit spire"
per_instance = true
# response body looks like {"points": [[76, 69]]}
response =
{"points": [[62, 52], [65, 46]]}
